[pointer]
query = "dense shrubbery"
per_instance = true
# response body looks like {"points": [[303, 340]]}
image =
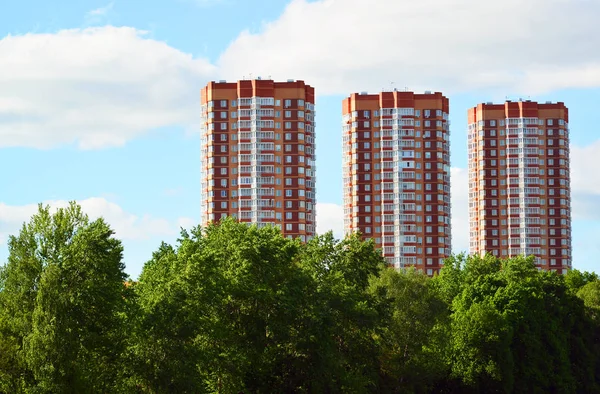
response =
{"points": [[236, 309]]}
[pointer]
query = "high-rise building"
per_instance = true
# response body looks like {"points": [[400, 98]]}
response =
{"points": [[257, 154], [396, 173], [519, 193]]}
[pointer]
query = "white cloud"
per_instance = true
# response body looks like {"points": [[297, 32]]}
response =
{"points": [[450, 45], [585, 182], [127, 226], [96, 87], [186, 223], [101, 11], [586, 247], [330, 217], [459, 188], [584, 207], [585, 161]]}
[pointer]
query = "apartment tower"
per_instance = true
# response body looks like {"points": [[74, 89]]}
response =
{"points": [[257, 154], [519, 193], [396, 174]]}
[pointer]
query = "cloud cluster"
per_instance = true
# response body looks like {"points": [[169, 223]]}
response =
{"points": [[95, 87], [102, 86], [584, 168], [343, 46], [330, 217], [585, 183], [126, 225]]}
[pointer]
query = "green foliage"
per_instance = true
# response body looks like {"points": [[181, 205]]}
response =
{"points": [[511, 324], [410, 335], [342, 315], [233, 308], [576, 279], [61, 305], [236, 308], [590, 294]]}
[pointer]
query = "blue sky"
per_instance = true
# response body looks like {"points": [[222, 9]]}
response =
{"points": [[99, 100]]}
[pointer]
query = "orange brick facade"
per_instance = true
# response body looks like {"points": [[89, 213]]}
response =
{"points": [[396, 175], [519, 185], [257, 154]]}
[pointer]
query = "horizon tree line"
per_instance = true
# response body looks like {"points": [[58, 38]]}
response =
{"points": [[235, 309]]}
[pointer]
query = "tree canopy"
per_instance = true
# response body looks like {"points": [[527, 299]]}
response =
{"points": [[61, 305], [233, 308]]}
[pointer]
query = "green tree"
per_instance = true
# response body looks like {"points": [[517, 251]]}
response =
{"points": [[480, 335], [61, 305], [408, 341], [237, 308], [576, 279], [163, 353], [512, 324], [590, 294], [219, 311], [344, 317]]}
